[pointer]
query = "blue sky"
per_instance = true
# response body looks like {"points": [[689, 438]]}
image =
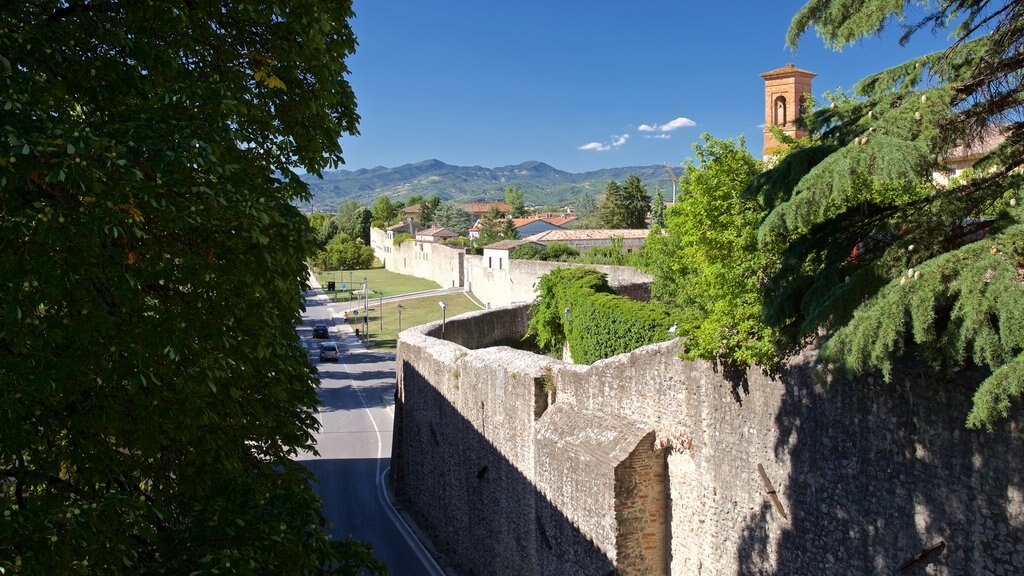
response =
{"points": [[574, 83]]}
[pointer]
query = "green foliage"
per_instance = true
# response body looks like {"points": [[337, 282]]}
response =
{"points": [[494, 227], [150, 278], [526, 252], [625, 206], [858, 208], [576, 304], [612, 210], [385, 213], [553, 252], [354, 220], [514, 198], [707, 265], [658, 209], [610, 255], [427, 210], [325, 227], [454, 218], [343, 253]]}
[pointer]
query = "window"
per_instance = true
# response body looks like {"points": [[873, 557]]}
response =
{"points": [[780, 111]]}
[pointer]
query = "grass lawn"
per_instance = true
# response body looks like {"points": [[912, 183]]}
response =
{"points": [[415, 311], [379, 279]]}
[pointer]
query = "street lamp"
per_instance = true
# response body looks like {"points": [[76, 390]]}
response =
{"points": [[444, 310], [399, 307], [380, 297]]}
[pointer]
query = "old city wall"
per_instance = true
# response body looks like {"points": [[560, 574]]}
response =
{"points": [[518, 463], [515, 283], [437, 262]]}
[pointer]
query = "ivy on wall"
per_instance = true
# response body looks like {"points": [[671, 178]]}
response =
{"points": [[577, 305]]}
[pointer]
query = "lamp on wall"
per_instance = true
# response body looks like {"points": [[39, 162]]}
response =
{"points": [[444, 310]]}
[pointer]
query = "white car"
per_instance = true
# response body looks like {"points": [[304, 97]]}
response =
{"points": [[329, 351]]}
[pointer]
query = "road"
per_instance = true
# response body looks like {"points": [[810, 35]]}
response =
{"points": [[354, 442]]}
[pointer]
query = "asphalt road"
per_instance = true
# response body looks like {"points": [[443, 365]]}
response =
{"points": [[354, 442]]}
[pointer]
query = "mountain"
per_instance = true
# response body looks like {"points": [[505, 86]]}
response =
{"points": [[540, 183]]}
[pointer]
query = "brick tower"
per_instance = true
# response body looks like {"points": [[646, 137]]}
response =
{"points": [[784, 91]]}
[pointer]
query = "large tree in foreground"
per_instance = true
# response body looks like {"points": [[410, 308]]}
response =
{"points": [[890, 259], [151, 393]]}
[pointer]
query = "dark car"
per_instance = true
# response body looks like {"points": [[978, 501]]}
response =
{"points": [[329, 351], [320, 331]]}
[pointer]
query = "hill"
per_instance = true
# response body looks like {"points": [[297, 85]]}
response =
{"points": [[540, 183]]}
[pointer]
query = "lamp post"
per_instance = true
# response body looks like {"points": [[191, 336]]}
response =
{"points": [[380, 298], [399, 308], [366, 308], [444, 310]]}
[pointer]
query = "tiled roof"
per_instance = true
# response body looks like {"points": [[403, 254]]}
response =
{"points": [[787, 70], [990, 137], [506, 244], [484, 207], [604, 234], [436, 232]]}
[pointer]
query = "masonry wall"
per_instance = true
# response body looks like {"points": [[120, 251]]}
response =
{"points": [[437, 262], [868, 475], [517, 283], [514, 283]]}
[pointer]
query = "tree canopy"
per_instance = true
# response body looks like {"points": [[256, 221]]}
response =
{"points": [[626, 205], [153, 395], [889, 257], [453, 217], [514, 198], [707, 266]]}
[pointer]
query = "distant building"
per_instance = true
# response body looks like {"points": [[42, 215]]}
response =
{"points": [[530, 225], [632, 240], [435, 235], [785, 92]]}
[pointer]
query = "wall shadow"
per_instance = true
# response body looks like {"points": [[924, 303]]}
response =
{"points": [[482, 514], [885, 479]]}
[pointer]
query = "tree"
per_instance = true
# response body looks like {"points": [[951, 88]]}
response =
{"points": [[150, 280], [344, 253], [636, 202], [494, 227], [514, 198], [612, 211], [325, 227], [354, 220], [880, 253], [384, 213], [708, 267], [427, 210], [658, 210], [454, 218]]}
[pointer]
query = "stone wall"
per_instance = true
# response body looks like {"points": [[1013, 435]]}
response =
{"points": [[515, 283], [437, 262], [517, 463]]}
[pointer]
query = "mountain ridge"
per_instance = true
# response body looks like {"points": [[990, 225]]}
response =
{"points": [[541, 183]]}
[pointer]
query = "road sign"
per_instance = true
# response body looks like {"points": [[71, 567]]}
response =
{"points": [[344, 286], [330, 286]]}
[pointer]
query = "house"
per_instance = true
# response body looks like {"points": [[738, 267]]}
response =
{"points": [[434, 235], [408, 227], [531, 225], [581, 240], [497, 255]]}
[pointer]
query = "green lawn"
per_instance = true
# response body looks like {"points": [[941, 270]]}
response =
{"points": [[415, 311], [378, 280]]}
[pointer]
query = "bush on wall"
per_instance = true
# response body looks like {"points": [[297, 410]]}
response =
{"points": [[577, 305]]}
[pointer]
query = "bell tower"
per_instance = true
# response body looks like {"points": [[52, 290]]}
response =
{"points": [[784, 91]]}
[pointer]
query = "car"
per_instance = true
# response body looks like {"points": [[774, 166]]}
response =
{"points": [[320, 331], [329, 351]]}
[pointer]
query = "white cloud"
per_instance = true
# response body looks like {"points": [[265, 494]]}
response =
{"points": [[604, 147], [669, 126], [657, 136]]}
